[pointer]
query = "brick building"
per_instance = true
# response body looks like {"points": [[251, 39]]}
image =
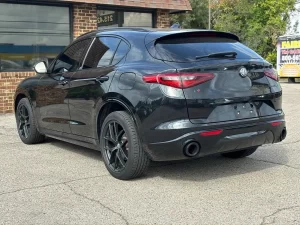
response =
{"points": [[31, 31]]}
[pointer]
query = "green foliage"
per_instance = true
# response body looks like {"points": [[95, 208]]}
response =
{"points": [[258, 23], [198, 18]]}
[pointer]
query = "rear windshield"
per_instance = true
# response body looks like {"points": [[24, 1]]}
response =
{"points": [[187, 49]]}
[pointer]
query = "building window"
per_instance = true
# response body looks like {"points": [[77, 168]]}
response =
{"points": [[137, 19], [108, 18], [31, 33]]}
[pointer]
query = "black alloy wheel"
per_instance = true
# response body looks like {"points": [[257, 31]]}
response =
{"points": [[116, 146], [26, 123], [121, 148]]}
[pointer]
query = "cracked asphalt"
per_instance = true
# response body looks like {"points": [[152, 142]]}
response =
{"points": [[60, 183]]}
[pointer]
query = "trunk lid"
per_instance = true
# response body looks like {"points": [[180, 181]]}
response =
{"points": [[229, 95]]}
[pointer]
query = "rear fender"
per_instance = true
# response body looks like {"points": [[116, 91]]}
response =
{"points": [[122, 101]]}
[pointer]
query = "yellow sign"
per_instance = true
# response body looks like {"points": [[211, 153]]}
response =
{"points": [[289, 70], [290, 44]]}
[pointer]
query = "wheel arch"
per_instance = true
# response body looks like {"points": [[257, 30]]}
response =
{"points": [[23, 93], [111, 105], [18, 96]]}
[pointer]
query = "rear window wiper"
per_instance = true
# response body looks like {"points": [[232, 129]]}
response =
{"points": [[218, 55]]}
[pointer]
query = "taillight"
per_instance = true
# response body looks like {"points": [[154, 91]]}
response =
{"points": [[178, 80], [272, 74], [210, 133], [276, 123]]}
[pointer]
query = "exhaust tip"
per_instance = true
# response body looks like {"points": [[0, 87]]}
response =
{"points": [[191, 149], [283, 134]]}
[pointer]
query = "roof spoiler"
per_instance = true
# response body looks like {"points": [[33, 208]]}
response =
{"points": [[190, 33], [201, 34]]}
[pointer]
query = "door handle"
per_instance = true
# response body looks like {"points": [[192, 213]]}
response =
{"points": [[102, 79], [63, 82]]}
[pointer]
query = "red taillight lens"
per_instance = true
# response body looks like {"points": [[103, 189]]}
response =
{"points": [[210, 133], [276, 123], [179, 80], [272, 74]]}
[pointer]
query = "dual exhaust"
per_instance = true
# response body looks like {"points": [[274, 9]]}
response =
{"points": [[192, 148]]}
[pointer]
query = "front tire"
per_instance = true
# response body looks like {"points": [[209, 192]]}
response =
{"points": [[121, 149], [240, 153], [26, 123]]}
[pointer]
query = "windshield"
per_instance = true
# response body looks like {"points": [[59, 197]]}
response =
{"points": [[192, 48]]}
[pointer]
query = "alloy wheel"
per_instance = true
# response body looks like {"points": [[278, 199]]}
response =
{"points": [[116, 146], [24, 121]]}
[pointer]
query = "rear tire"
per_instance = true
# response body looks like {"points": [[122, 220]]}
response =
{"points": [[240, 153], [121, 149], [26, 123], [291, 80]]}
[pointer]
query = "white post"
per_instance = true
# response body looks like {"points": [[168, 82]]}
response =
{"points": [[209, 15]]}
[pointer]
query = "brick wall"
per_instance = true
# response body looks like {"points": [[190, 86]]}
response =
{"points": [[8, 85], [163, 18], [84, 19]]}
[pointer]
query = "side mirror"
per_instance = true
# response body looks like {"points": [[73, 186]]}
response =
{"points": [[40, 67]]}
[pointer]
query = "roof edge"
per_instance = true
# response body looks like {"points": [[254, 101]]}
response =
{"points": [[182, 5]]}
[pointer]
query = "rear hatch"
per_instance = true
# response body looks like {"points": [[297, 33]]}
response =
{"points": [[226, 80]]}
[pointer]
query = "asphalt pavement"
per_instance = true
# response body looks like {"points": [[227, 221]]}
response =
{"points": [[60, 183]]}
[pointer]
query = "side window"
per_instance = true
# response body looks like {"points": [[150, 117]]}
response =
{"points": [[70, 59], [101, 52], [120, 53]]}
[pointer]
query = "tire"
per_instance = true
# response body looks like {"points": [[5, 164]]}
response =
{"points": [[240, 153], [291, 80], [26, 123], [121, 148]]}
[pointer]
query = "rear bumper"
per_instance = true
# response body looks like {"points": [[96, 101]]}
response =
{"points": [[234, 136]]}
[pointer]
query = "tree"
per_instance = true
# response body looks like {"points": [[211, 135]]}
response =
{"points": [[197, 18], [258, 23]]}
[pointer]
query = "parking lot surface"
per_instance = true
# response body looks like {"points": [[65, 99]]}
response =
{"points": [[60, 183]]}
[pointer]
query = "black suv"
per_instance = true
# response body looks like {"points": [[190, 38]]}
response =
{"points": [[143, 94]]}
